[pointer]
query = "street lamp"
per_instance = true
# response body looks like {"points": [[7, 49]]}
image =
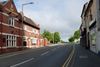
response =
{"points": [[23, 18], [26, 4]]}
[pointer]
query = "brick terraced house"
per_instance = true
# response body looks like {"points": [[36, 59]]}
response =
{"points": [[10, 27], [31, 33], [15, 34], [32, 36]]}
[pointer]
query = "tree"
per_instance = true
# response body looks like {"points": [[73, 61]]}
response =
{"points": [[48, 35], [56, 37], [71, 39], [77, 34], [52, 37]]}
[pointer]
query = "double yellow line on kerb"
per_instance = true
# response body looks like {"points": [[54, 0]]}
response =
{"points": [[66, 64]]}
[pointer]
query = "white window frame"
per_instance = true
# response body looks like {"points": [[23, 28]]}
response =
{"points": [[11, 41], [33, 30], [34, 40], [11, 21]]}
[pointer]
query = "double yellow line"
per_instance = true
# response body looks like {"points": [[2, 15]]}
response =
{"points": [[66, 64]]}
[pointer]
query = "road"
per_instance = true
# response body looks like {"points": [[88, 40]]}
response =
{"points": [[51, 56]]}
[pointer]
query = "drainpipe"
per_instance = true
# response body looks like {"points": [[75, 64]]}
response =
{"points": [[98, 26], [1, 30]]}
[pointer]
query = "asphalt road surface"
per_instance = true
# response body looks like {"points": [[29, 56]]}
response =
{"points": [[51, 56]]}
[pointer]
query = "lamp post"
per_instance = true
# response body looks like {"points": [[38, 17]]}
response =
{"points": [[23, 19]]}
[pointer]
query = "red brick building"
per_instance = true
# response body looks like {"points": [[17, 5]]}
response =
{"points": [[31, 33], [10, 26], [14, 34], [32, 36], [43, 41]]}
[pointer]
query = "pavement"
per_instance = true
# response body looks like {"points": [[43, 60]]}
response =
{"points": [[51, 56], [83, 58]]}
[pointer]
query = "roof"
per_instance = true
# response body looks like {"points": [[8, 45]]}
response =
{"points": [[84, 8], [88, 5], [3, 4], [30, 22]]}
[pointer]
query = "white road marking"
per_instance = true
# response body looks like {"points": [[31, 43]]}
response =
{"points": [[55, 48], [44, 53], [9, 56], [18, 64]]}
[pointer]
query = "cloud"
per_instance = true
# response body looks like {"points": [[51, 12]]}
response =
{"points": [[55, 15]]}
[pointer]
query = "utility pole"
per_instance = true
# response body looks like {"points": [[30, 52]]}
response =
{"points": [[23, 19]]}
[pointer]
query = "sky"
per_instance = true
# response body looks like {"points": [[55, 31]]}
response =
{"points": [[61, 16]]}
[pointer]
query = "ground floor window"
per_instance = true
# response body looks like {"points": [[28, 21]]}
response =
{"points": [[93, 36], [11, 41], [34, 41]]}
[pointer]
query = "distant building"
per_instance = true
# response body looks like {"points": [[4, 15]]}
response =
{"points": [[10, 27], [43, 41]]}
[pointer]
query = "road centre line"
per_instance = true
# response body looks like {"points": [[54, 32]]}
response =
{"points": [[9, 56], [70, 59], [17, 53], [54, 49], [14, 54], [18, 64], [44, 53]]}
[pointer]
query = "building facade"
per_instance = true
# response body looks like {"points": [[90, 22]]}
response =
{"points": [[83, 39], [15, 33], [43, 41], [31, 33], [10, 26], [90, 19]]}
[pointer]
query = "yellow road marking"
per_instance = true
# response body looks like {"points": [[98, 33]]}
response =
{"points": [[69, 58]]}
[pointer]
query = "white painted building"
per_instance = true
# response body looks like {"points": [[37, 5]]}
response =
{"points": [[92, 23]]}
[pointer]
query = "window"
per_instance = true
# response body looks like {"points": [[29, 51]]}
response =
{"points": [[11, 21], [34, 31], [34, 41], [11, 41], [25, 27]]}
